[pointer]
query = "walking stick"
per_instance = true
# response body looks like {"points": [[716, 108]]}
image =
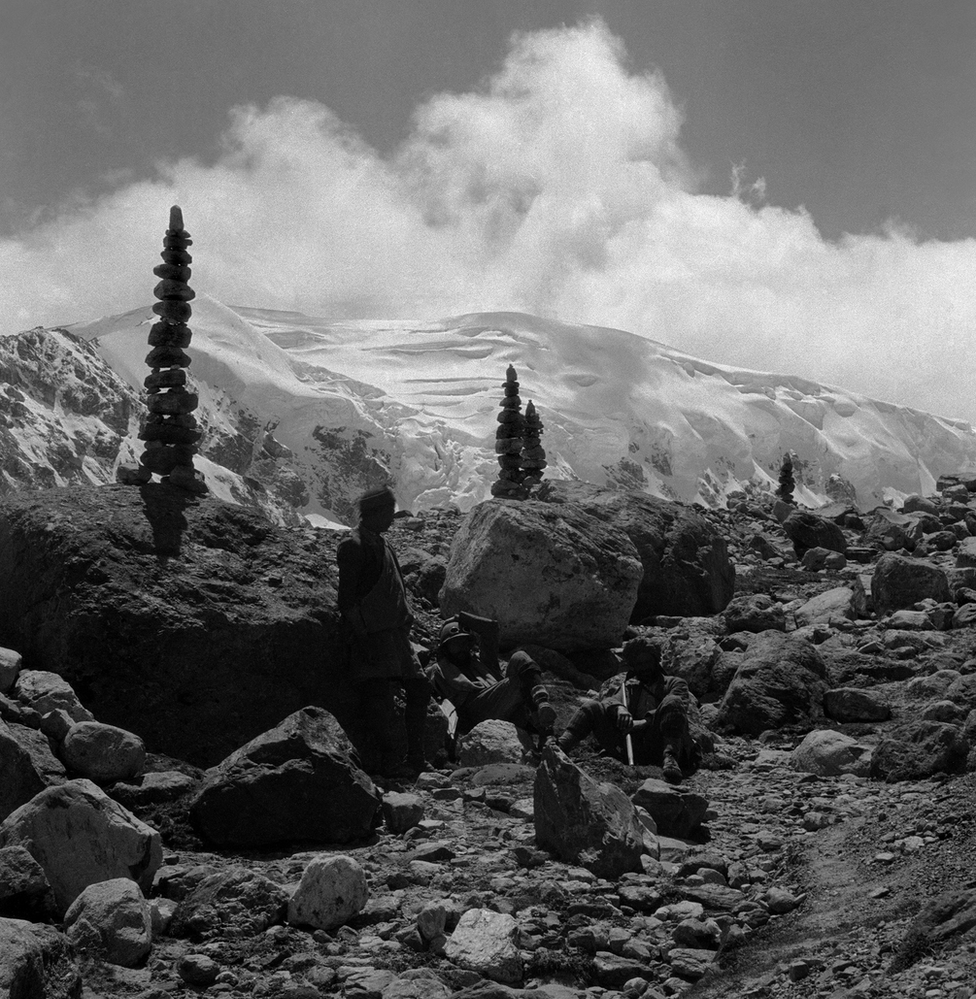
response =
{"points": [[627, 739]]}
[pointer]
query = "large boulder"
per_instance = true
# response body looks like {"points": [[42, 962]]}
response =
{"points": [[780, 680], [332, 890], [234, 902], [207, 610], [111, 919], [25, 892], [889, 531], [548, 573], [271, 790], [687, 568], [80, 836], [828, 753], [21, 779], [852, 704], [585, 822], [676, 811], [918, 749], [36, 962], [754, 612], [900, 582], [493, 741], [832, 606], [486, 942], [807, 530], [45, 691], [103, 753], [10, 663]]}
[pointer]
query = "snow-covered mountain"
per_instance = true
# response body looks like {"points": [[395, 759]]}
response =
{"points": [[303, 413]]}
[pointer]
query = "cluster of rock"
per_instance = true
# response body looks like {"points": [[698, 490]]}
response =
{"points": [[83, 879], [170, 429], [827, 692]]}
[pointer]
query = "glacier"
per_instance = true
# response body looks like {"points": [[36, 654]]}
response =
{"points": [[305, 412]]}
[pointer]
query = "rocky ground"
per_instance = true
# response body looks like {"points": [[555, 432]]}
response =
{"points": [[797, 884]]}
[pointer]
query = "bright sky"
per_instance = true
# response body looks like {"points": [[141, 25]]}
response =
{"points": [[785, 185]]}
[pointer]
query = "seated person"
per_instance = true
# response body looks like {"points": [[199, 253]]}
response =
{"points": [[650, 707], [466, 672]]}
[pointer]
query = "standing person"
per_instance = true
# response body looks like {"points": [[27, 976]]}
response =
{"points": [[374, 607], [648, 706], [466, 672]]}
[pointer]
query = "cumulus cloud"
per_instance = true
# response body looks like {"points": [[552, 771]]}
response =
{"points": [[559, 187]]}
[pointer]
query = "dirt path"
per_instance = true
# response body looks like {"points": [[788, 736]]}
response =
{"points": [[859, 908]]}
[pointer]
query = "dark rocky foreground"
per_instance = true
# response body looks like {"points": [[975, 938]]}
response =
{"points": [[832, 855]]}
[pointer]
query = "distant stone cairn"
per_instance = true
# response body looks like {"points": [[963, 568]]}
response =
{"points": [[521, 457], [170, 429]]}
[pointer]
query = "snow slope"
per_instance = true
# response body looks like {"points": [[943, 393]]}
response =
{"points": [[343, 405]]}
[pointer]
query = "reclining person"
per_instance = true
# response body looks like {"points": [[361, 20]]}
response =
{"points": [[649, 707], [466, 672]]}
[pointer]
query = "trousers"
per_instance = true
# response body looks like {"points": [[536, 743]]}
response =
{"points": [[378, 711], [510, 699]]}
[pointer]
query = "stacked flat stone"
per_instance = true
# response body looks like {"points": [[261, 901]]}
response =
{"points": [[170, 430], [533, 455], [508, 441]]}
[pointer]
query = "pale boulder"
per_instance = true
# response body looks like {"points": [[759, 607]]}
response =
{"points": [[44, 692], [486, 942], [80, 837], [103, 753], [493, 741], [332, 890], [828, 753], [113, 920], [548, 573], [839, 604]]}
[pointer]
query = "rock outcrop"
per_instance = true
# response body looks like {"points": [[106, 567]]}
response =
{"points": [[232, 633]]}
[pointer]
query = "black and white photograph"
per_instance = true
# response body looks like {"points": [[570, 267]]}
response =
{"points": [[488, 499]]}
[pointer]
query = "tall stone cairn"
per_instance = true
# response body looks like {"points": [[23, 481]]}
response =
{"points": [[170, 430], [533, 455], [508, 441]]}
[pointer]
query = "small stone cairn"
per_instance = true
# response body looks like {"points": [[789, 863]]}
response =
{"points": [[533, 453], [508, 441], [170, 430], [786, 481]]}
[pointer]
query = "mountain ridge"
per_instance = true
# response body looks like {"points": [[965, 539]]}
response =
{"points": [[300, 413]]}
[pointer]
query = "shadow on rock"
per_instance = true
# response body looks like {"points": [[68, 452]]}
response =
{"points": [[164, 506]]}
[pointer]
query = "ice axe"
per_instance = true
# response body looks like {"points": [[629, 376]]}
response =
{"points": [[627, 739]]}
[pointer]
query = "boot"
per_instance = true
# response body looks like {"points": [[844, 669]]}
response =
{"points": [[672, 772], [568, 740], [544, 713]]}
